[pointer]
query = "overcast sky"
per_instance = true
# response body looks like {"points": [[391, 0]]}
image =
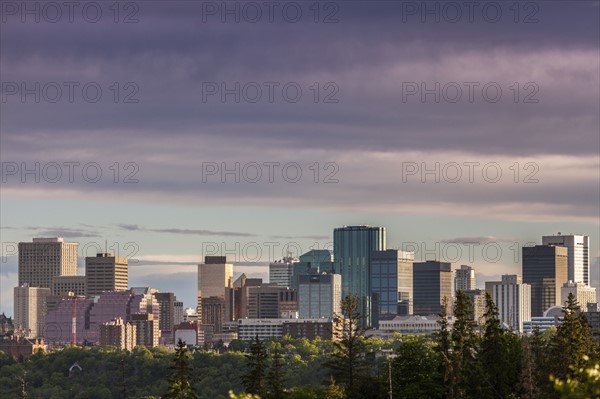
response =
{"points": [[332, 112]]}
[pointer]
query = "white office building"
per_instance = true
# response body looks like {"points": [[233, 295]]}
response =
{"points": [[45, 258], [578, 257], [583, 294], [513, 299], [464, 278], [281, 271]]}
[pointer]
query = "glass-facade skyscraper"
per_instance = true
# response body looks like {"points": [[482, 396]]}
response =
{"points": [[391, 284], [352, 249]]}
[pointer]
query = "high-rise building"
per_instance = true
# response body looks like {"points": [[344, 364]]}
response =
{"points": [[352, 248], [177, 313], [63, 285], [44, 258], [315, 261], [319, 296], [513, 300], [166, 322], [215, 280], [118, 333], [106, 272], [464, 278], [391, 284], [30, 310], [60, 323], [432, 282], [477, 298], [578, 257], [280, 272], [545, 268], [583, 293], [146, 329], [268, 302]]}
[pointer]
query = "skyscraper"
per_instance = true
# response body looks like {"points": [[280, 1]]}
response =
{"points": [[30, 310], [513, 299], [432, 282], [319, 296], [545, 268], [578, 255], [280, 272], [315, 261], [167, 317], [352, 248], [464, 278], [583, 293], [391, 284], [44, 258], [106, 272], [215, 279]]}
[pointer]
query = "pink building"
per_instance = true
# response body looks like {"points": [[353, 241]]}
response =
{"points": [[59, 322]]}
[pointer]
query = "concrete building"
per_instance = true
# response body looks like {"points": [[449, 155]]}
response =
{"points": [[280, 272], [118, 333], [432, 282], [166, 305], [215, 279], [513, 299], [18, 347], [63, 285], [323, 328], [352, 248], [268, 302], [477, 298], [578, 256], [187, 332], [146, 329], [248, 329], [545, 268], [319, 296], [412, 325], [391, 284], [178, 312], [464, 278], [44, 258], [584, 294], [60, 325], [106, 272], [30, 310]]}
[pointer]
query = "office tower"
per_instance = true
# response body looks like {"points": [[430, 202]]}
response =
{"points": [[45, 258], [513, 299], [118, 333], [214, 311], [391, 284], [545, 268], [464, 278], [578, 255], [177, 313], [146, 329], [268, 302], [215, 279], [30, 310], [584, 294], [432, 282], [477, 298], [106, 272], [352, 248], [63, 285], [489, 286], [59, 322], [319, 296], [315, 261], [166, 321], [280, 272]]}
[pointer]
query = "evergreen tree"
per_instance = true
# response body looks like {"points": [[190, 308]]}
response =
{"points": [[463, 340], [254, 379], [494, 355], [416, 370], [528, 377], [181, 374], [275, 377], [572, 341], [347, 361], [443, 345], [333, 391]]}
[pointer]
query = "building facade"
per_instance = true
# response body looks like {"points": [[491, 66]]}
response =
{"points": [[319, 296], [578, 256], [513, 300], [44, 258], [118, 333], [106, 272], [352, 248], [215, 279], [432, 282], [30, 310], [63, 285], [280, 272], [584, 294], [391, 284], [464, 278], [146, 329], [545, 269]]}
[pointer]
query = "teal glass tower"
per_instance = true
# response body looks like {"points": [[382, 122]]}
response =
{"points": [[352, 249]]}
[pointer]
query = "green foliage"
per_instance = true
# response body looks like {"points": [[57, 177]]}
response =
{"points": [[180, 379], [585, 382], [415, 370], [254, 379], [347, 361], [275, 376]]}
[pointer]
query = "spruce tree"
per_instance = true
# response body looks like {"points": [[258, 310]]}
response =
{"points": [[180, 385], [275, 377], [464, 341], [254, 379]]}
